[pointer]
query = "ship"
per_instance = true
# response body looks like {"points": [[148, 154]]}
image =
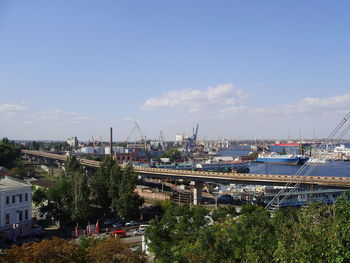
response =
{"points": [[235, 166], [274, 158]]}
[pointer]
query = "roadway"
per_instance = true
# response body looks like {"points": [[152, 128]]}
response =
{"points": [[215, 177]]}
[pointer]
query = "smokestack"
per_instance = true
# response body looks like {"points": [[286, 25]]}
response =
{"points": [[111, 142]]}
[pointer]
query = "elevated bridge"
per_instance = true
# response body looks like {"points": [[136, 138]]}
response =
{"points": [[200, 177]]}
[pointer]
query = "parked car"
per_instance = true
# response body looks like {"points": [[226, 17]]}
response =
{"points": [[108, 221], [119, 233], [141, 230], [131, 223], [117, 224], [136, 248]]}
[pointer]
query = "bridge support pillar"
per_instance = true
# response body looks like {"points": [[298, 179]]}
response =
{"points": [[197, 192]]}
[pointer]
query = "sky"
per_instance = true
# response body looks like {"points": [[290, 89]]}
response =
{"points": [[240, 69]]}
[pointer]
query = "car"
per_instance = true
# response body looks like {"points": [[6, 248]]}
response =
{"points": [[117, 224], [109, 221], [135, 248], [131, 223], [139, 232], [119, 233]]}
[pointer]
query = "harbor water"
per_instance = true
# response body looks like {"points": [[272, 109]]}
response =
{"points": [[333, 168]]}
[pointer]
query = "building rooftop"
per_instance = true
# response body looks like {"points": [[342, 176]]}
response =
{"points": [[9, 182]]}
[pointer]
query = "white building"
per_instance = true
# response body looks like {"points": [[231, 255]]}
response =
{"points": [[102, 150], [73, 142], [15, 206], [179, 138]]}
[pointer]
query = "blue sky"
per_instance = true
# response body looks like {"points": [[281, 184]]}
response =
{"points": [[241, 69]]}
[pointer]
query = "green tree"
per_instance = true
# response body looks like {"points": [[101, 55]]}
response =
{"points": [[81, 194], [39, 196], [100, 184], [224, 212], [72, 165], [128, 201], [59, 200], [341, 245], [114, 186], [173, 154], [175, 231], [9, 154], [307, 238]]}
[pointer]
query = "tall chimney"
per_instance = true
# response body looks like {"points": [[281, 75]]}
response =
{"points": [[111, 142]]}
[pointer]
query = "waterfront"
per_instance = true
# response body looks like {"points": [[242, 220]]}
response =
{"points": [[333, 168]]}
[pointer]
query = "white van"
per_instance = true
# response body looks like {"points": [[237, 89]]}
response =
{"points": [[141, 230]]}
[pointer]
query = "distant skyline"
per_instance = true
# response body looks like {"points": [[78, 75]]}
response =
{"points": [[240, 69]]}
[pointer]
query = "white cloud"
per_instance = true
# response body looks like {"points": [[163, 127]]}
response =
{"points": [[234, 109], [168, 122], [60, 116], [309, 106], [11, 108], [126, 119], [261, 85], [194, 100]]}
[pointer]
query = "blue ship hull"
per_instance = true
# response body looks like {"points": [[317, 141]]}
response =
{"points": [[271, 160]]}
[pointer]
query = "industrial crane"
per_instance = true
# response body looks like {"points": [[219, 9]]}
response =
{"points": [[191, 142], [143, 137]]}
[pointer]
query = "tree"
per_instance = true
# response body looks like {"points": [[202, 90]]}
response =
{"points": [[307, 238], [341, 210], [114, 186], [81, 194], [112, 250], [224, 212], [128, 201], [56, 250], [100, 184], [179, 227], [39, 196], [172, 154], [9, 154], [80, 190], [71, 166], [60, 199]]}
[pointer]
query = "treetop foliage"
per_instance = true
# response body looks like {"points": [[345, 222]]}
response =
{"points": [[57, 250], [319, 233]]}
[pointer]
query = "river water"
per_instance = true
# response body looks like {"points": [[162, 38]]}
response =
{"points": [[335, 168]]}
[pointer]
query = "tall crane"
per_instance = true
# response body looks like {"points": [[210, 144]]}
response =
{"points": [[191, 142], [143, 138]]}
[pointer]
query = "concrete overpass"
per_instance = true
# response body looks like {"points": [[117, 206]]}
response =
{"points": [[200, 177]]}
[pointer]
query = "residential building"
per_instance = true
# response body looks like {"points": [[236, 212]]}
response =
{"points": [[15, 206]]}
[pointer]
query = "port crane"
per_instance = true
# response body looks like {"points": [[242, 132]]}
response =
{"points": [[142, 136], [191, 142], [334, 138]]}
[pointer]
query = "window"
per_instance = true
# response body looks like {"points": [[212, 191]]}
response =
{"points": [[7, 199], [13, 199], [26, 214], [20, 197], [20, 216], [7, 219], [26, 197]]}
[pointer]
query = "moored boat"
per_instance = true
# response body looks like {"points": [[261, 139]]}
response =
{"points": [[274, 158]]}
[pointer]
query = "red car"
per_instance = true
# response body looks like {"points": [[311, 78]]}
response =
{"points": [[119, 233]]}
